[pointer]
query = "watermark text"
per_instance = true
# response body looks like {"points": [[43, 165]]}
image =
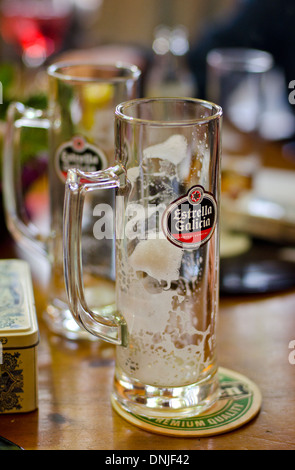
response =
{"points": [[134, 222], [145, 222], [292, 93], [292, 353]]}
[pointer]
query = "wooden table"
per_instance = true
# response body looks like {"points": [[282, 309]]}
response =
{"points": [[75, 382], [75, 379]]}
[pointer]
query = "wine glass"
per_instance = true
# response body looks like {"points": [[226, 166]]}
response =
{"points": [[35, 28]]}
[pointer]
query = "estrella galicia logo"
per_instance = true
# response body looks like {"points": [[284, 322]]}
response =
{"points": [[78, 153], [189, 222]]}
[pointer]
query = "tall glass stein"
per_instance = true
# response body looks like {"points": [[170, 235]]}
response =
{"points": [[80, 121], [167, 180]]}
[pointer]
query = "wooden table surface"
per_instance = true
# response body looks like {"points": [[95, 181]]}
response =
{"points": [[75, 382]]}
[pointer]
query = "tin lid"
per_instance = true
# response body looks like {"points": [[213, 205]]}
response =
{"points": [[18, 320]]}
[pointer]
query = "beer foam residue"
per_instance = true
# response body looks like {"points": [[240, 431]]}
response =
{"points": [[169, 332], [169, 328], [133, 174], [173, 149], [157, 258]]}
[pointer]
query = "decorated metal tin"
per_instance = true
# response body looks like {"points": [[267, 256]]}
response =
{"points": [[18, 339]]}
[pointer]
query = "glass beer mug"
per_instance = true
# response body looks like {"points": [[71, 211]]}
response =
{"points": [[167, 180], [80, 122]]}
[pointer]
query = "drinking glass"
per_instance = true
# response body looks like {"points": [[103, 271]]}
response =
{"points": [[35, 28], [235, 81], [167, 180], [80, 124]]}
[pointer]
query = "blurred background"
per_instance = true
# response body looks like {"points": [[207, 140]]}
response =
{"points": [[35, 32], [98, 22], [170, 41]]}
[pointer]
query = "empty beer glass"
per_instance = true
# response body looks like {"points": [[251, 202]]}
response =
{"points": [[80, 122], [167, 176]]}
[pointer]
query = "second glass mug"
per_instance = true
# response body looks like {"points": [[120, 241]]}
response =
{"points": [[80, 123], [167, 180]]}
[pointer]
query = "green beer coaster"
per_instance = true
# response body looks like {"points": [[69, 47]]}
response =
{"points": [[239, 402]]}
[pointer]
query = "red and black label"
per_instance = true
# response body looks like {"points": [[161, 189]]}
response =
{"points": [[79, 154], [189, 222]]}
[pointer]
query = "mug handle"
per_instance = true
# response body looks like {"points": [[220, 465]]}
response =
{"points": [[23, 230], [109, 326]]}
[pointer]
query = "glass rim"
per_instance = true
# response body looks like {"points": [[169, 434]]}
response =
{"points": [[54, 70], [119, 112], [240, 59]]}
